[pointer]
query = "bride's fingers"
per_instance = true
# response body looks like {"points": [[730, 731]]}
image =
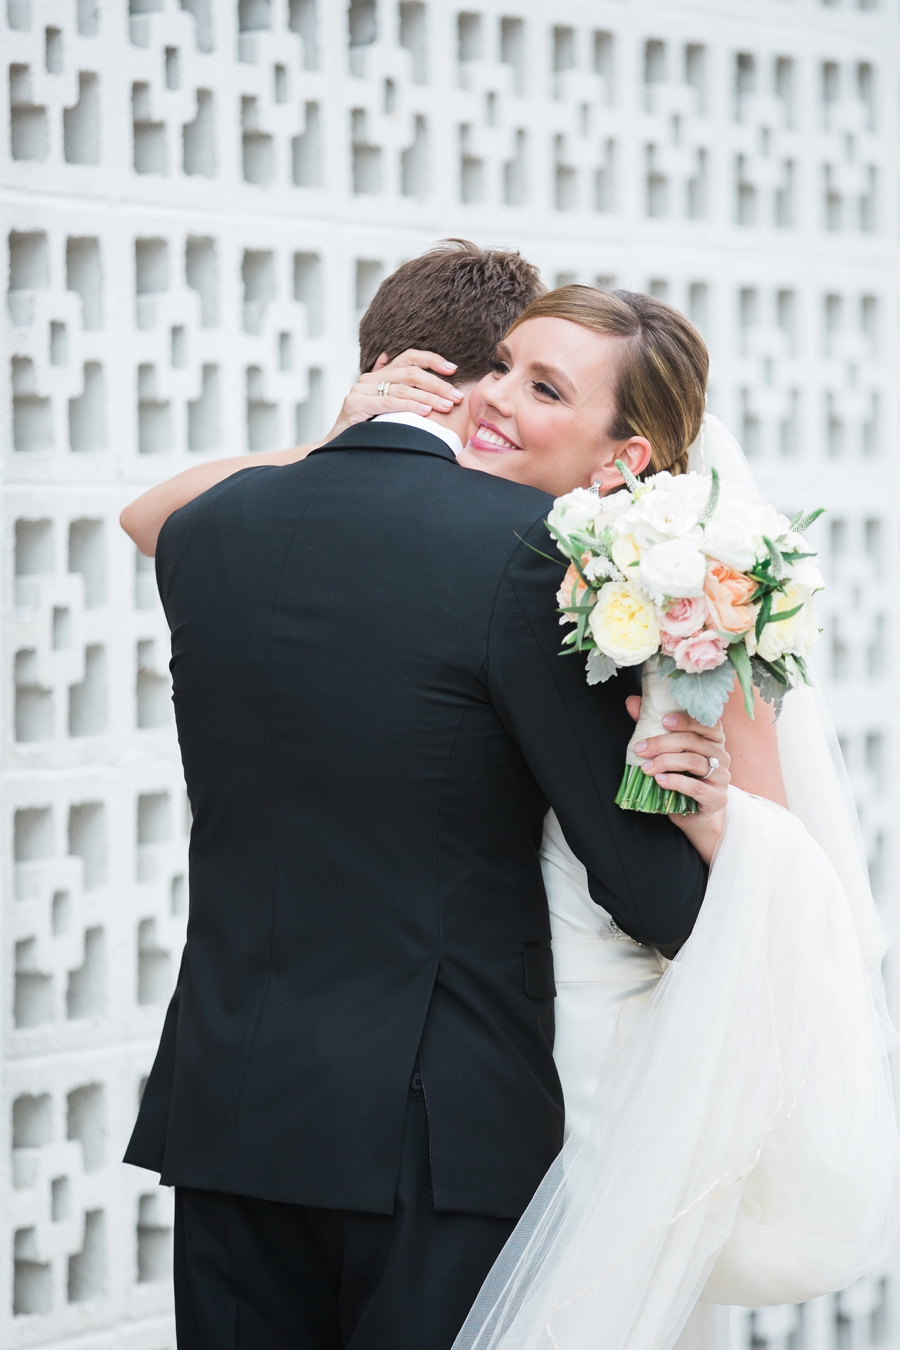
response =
{"points": [[682, 722], [425, 381], [413, 383], [687, 744], [696, 764], [682, 742], [395, 405], [709, 795], [415, 356], [435, 398], [364, 401], [360, 407], [414, 365]]}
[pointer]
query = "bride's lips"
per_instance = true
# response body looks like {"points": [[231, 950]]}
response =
{"points": [[489, 438]]}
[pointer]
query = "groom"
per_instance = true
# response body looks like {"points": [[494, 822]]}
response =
{"points": [[355, 1093]]}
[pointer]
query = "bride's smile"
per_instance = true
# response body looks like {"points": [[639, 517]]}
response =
{"points": [[490, 440]]}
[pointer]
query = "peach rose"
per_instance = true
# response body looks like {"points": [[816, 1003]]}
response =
{"points": [[572, 591], [728, 593], [703, 651]]}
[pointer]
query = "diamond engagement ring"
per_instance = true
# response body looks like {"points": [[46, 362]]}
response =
{"points": [[384, 387], [713, 765]]}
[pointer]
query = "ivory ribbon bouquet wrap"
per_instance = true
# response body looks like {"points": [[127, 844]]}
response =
{"points": [[700, 582]]}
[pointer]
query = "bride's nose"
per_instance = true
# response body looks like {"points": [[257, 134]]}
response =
{"points": [[499, 396]]}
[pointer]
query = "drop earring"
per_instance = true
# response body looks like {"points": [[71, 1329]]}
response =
{"points": [[595, 487]]}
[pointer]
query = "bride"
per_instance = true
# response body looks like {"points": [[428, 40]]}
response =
{"points": [[731, 1136]]}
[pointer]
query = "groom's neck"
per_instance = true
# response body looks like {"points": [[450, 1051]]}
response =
{"points": [[458, 419]]}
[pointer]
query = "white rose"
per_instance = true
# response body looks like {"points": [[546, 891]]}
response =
{"points": [[666, 508], [624, 624], [608, 509], [672, 508], [773, 524], [575, 511], [805, 576], [733, 536], [796, 634], [731, 492], [661, 515], [672, 568]]}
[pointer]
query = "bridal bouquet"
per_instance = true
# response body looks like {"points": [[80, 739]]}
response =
{"points": [[698, 581]]}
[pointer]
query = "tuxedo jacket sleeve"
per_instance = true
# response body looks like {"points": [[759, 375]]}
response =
{"points": [[641, 868]]}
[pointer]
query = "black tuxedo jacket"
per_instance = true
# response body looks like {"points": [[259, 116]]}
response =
{"points": [[373, 718]]}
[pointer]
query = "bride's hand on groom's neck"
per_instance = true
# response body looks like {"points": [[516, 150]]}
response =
{"points": [[690, 758], [414, 384]]}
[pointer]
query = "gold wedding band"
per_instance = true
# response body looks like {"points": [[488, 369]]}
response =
{"points": [[384, 387]]}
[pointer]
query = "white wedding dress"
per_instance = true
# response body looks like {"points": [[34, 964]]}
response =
{"points": [[731, 1135]]}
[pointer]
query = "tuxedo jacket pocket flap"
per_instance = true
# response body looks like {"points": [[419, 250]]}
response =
{"points": [[537, 958]]}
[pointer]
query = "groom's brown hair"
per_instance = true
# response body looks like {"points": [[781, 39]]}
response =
{"points": [[457, 300]]}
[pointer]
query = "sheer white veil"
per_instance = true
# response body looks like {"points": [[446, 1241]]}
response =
{"points": [[742, 1145], [815, 775]]}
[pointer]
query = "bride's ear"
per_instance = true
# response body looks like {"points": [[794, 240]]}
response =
{"points": [[635, 454]]}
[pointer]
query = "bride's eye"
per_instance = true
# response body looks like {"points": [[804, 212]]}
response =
{"points": [[546, 390], [499, 367]]}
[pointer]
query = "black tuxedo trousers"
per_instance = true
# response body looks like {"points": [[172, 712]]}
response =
{"points": [[259, 1273], [373, 719]]}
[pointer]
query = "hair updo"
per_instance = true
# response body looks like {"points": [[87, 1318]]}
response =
{"points": [[661, 383]]}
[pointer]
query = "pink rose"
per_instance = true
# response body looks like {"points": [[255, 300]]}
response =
{"points": [[669, 643], [685, 616], [703, 651]]}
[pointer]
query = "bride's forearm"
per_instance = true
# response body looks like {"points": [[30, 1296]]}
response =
{"points": [[416, 389], [143, 518], [753, 747]]}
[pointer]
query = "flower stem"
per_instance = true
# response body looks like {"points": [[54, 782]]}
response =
{"points": [[640, 791]]}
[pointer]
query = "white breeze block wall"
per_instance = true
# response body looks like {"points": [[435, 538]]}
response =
{"points": [[199, 201]]}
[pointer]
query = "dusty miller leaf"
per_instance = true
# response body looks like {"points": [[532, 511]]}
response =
{"points": [[771, 690], [599, 667], [703, 696]]}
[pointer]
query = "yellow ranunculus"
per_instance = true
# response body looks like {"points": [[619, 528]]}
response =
{"points": [[625, 552], [624, 624]]}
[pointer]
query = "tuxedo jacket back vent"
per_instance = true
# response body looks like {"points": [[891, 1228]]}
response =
{"points": [[373, 718]]}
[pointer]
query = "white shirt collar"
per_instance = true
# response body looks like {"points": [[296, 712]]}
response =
{"points": [[408, 419]]}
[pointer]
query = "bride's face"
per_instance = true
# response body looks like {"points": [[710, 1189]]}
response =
{"points": [[541, 416]]}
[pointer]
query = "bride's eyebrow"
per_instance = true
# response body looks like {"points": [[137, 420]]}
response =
{"points": [[556, 377]]}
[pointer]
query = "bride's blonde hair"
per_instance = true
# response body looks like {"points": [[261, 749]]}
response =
{"points": [[661, 386]]}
